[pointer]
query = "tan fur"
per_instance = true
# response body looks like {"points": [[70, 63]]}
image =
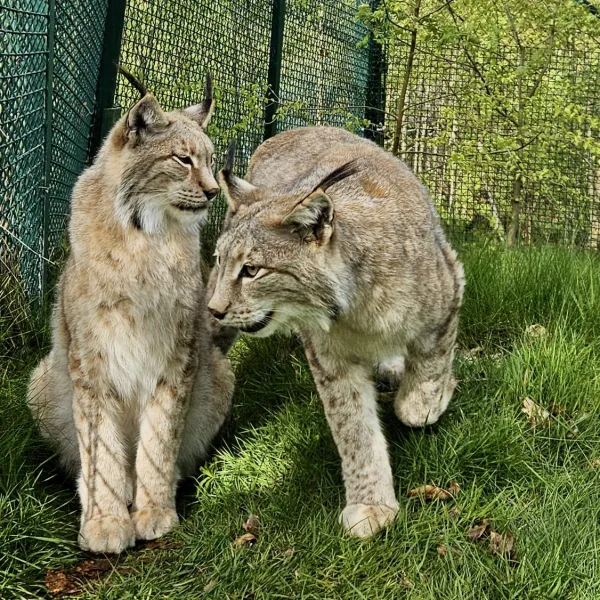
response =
{"points": [[334, 238], [133, 390]]}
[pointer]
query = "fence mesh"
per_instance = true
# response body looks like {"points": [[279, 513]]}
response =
{"points": [[77, 52], [489, 160], [173, 44], [49, 61], [324, 70], [23, 53], [485, 174], [323, 74]]}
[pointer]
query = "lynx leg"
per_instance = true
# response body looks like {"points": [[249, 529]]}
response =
{"points": [[349, 398], [156, 470], [104, 483], [426, 387]]}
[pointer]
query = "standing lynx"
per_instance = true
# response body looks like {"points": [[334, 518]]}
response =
{"points": [[334, 238], [133, 390]]}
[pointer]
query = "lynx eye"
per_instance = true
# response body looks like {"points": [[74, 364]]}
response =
{"points": [[249, 271], [186, 161]]}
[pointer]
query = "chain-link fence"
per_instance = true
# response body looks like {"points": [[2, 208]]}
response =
{"points": [[498, 167], [321, 69], [57, 69], [49, 58], [504, 134]]}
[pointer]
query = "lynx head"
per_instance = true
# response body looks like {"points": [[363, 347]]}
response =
{"points": [[161, 164], [278, 261]]}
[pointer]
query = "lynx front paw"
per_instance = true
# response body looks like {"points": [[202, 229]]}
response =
{"points": [[109, 535], [152, 522], [364, 520]]}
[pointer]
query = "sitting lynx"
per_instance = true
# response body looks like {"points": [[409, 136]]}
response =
{"points": [[334, 238], [134, 391]]}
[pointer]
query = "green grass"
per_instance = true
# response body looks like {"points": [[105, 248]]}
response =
{"points": [[278, 461]]}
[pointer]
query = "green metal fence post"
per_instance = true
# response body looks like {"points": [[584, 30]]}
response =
{"points": [[375, 93], [48, 144], [274, 75], [106, 114]]}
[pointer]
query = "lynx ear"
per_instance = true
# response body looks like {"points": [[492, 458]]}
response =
{"points": [[202, 113], [236, 190], [146, 116], [312, 218]]}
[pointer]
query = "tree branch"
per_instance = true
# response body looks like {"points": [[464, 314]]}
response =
{"points": [[479, 74], [545, 68]]}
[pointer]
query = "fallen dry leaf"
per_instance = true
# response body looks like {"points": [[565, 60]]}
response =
{"points": [[442, 550], [454, 512], [248, 539], [429, 491], [556, 410], [536, 331], [502, 544], [405, 582], [93, 569], [209, 586], [158, 544], [59, 583], [453, 489], [67, 583], [476, 532], [251, 525], [595, 463], [536, 415], [432, 492]]}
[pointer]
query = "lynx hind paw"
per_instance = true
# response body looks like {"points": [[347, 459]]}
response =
{"points": [[107, 535], [424, 405], [153, 522], [364, 520]]}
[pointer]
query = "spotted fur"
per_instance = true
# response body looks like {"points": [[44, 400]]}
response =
{"points": [[133, 390], [332, 237]]}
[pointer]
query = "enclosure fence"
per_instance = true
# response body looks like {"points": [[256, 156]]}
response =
{"points": [[499, 168], [278, 64]]}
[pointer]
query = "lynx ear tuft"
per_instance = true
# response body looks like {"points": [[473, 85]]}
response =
{"points": [[237, 191], [146, 117], [312, 218], [202, 113], [136, 82]]}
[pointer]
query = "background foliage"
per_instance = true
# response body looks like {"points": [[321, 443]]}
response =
{"points": [[494, 104]]}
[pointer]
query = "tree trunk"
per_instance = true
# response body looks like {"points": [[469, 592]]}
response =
{"points": [[517, 191], [517, 196], [407, 74]]}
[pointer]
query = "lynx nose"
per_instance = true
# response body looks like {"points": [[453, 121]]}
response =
{"points": [[210, 194], [216, 314]]}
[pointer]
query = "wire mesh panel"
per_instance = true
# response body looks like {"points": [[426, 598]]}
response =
{"points": [[325, 67], [49, 60], [323, 76], [505, 136], [23, 52], [77, 52]]}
